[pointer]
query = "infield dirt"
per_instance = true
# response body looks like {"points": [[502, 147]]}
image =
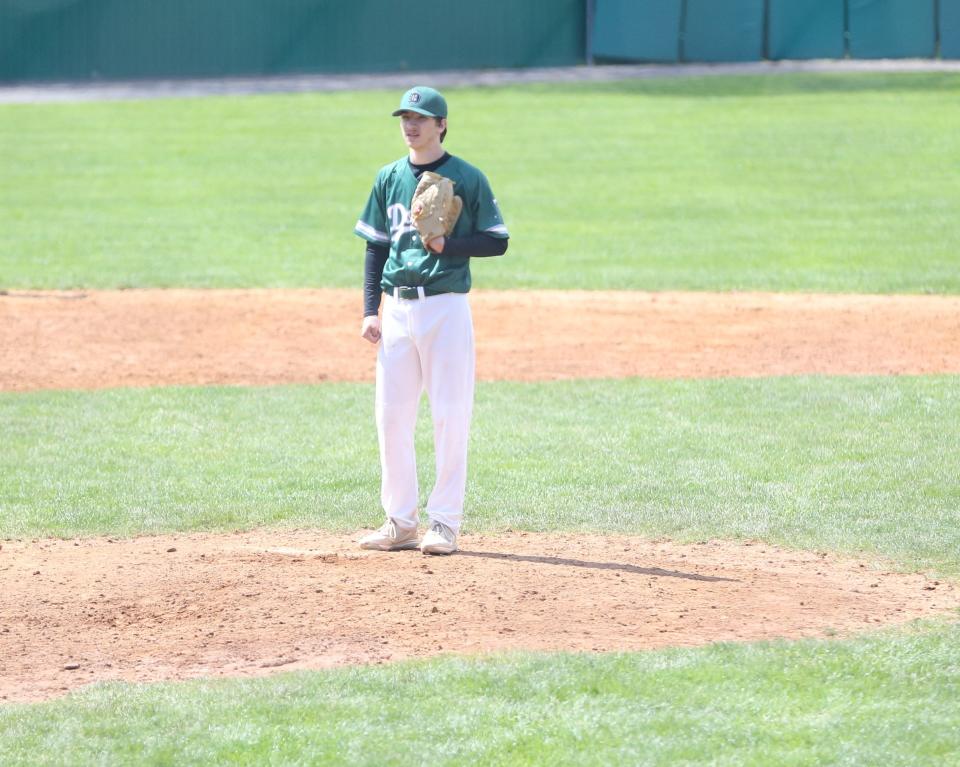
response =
{"points": [[173, 607], [98, 339]]}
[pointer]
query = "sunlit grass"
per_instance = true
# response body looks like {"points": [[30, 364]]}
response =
{"points": [[891, 698], [849, 464], [837, 182]]}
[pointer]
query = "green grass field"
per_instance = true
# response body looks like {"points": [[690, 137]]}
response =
{"points": [[890, 699], [850, 464], [808, 182], [802, 182]]}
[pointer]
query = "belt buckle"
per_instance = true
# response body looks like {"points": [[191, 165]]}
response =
{"points": [[409, 293]]}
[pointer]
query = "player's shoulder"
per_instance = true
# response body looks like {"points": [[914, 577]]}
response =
{"points": [[391, 169], [456, 164], [464, 173]]}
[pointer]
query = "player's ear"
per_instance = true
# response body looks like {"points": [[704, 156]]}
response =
{"points": [[442, 124]]}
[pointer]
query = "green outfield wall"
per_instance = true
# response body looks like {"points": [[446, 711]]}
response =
{"points": [[723, 30], [630, 30], [129, 39], [949, 27], [122, 39], [749, 30], [892, 29], [806, 29]]}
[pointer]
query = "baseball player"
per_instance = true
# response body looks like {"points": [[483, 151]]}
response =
{"points": [[425, 336]]}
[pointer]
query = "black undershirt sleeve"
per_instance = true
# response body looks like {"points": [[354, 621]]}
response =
{"points": [[477, 245], [376, 259]]}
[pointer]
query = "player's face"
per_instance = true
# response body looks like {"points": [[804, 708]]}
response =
{"points": [[420, 131]]}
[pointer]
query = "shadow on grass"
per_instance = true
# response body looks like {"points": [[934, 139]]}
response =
{"points": [[592, 565]]}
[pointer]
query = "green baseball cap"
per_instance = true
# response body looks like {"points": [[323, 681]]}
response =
{"points": [[424, 101]]}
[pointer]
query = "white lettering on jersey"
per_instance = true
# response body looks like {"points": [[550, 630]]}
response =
{"points": [[400, 221]]}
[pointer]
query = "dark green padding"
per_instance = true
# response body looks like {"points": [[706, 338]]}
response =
{"points": [[122, 39], [806, 29], [950, 29], [892, 29], [637, 30], [723, 31]]}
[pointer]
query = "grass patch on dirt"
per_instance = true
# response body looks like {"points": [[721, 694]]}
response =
{"points": [[890, 698], [847, 464], [836, 182]]}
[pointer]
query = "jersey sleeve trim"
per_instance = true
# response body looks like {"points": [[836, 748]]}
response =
{"points": [[369, 233], [498, 230]]}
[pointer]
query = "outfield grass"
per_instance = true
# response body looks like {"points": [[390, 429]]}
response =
{"points": [[836, 182], [891, 698], [847, 464]]}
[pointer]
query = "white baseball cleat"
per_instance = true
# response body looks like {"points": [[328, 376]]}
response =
{"points": [[439, 539], [391, 537]]}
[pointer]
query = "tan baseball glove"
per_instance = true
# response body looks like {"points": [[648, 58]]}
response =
{"points": [[435, 208]]}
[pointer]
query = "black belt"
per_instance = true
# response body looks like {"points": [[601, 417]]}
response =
{"points": [[413, 293]]}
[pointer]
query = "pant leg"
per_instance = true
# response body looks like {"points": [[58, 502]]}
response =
{"points": [[399, 387], [445, 338]]}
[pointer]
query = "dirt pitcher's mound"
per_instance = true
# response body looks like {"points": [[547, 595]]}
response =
{"points": [[101, 339], [173, 607]]}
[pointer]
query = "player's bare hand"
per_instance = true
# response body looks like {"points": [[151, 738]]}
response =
{"points": [[371, 329], [436, 244]]}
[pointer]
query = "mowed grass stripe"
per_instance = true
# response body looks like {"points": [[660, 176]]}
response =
{"points": [[833, 182], [892, 698], [847, 464]]}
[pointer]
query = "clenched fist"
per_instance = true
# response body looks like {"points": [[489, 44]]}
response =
{"points": [[370, 329]]}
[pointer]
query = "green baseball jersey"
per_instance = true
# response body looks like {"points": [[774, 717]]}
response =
{"points": [[386, 221]]}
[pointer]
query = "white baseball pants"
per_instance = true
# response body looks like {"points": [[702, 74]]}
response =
{"points": [[425, 345]]}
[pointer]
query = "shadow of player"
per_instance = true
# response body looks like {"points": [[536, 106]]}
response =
{"points": [[592, 565]]}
